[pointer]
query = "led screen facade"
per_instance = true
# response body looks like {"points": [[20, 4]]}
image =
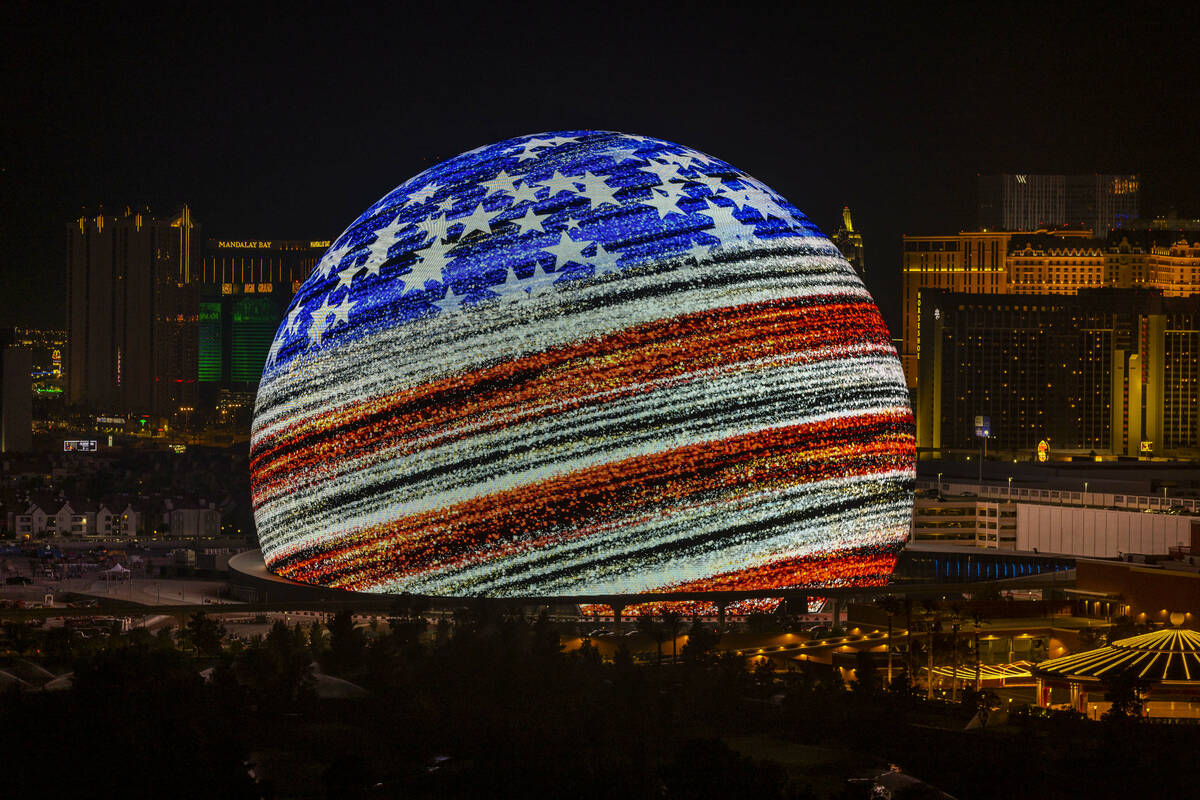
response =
{"points": [[582, 363]]}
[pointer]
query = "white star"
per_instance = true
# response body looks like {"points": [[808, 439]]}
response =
{"points": [[665, 172], [530, 222], [446, 205], [528, 191], [550, 141], [689, 161], [385, 237], [540, 282], [662, 203], [331, 259], [596, 187], [292, 318], [572, 224], [698, 251], [724, 221], [501, 183], [424, 193], [567, 250], [447, 303], [347, 275], [762, 202], [606, 260], [713, 183], [431, 264], [434, 226], [316, 325], [526, 155], [341, 312], [477, 221], [510, 290], [559, 182]]}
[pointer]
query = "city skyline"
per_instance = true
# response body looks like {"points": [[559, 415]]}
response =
{"points": [[890, 114]]}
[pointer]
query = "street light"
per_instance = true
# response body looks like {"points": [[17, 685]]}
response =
{"points": [[1010, 487], [1085, 488], [939, 485]]}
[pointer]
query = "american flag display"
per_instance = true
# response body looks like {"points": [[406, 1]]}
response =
{"points": [[582, 363]]}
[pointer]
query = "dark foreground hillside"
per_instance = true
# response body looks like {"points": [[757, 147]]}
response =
{"points": [[490, 706]]}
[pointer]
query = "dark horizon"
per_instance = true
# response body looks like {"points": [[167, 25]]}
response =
{"points": [[288, 128]]}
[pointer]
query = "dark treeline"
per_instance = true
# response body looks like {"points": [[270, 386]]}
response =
{"points": [[489, 705]]}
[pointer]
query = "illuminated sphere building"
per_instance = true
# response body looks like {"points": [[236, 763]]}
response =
{"points": [[575, 364]]}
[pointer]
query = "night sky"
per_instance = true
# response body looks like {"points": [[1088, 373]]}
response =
{"points": [[278, 126]]}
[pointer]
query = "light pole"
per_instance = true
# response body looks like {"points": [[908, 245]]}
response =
{"points": [[1085, 491], [1010, 488], [940, 486]]}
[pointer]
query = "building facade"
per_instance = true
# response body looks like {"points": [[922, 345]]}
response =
{"points": [[1040, 263], [850, 243], [160, 321], [965, 521], [131, 343], [245, 287], [16, 397], [48, 348], [1011, 202], [1101, 372]]}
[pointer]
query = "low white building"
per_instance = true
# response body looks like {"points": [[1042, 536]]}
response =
{"points": [[1099, 532]]}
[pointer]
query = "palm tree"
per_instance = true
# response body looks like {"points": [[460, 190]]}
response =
{"points": [[658, 633], [956, 617], [977, 622], [933, 623], [673, 622], [891, 606], [908, 626]]}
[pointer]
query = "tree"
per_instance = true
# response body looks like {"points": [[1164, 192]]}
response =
{"points": [[865, 673], [933, 624], [205, 633], [279, 669], [977, 621], [317, 640], [955, 625], [890, 604], [1125, 691], [700, 641], [655, 631], [673, 623], [347, 645], [545, 644]]}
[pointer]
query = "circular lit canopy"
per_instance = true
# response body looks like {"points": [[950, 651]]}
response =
{"points": [[1170, 654]]}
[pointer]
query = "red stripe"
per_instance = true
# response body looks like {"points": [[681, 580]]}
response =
{"points": [[618, 362], [480, 526]]}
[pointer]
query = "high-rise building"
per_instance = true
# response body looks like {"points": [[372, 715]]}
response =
{"points": [[850, 242], [245, 287], [1100, 203], [1104, 371], [131, 312], [963, 262], [1042, 262], [48, 348], [16, 397]]}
